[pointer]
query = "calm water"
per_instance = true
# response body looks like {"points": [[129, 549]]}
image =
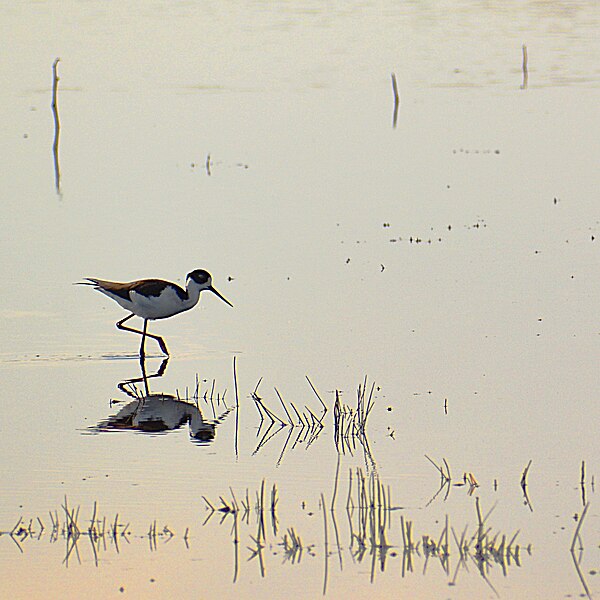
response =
{"points": [[453, 259]]}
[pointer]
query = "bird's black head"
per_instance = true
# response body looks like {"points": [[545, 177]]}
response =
{"points": [[203, 279], [199, 276]]}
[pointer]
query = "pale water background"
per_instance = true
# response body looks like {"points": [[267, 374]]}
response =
{"points": [[305, 221]]}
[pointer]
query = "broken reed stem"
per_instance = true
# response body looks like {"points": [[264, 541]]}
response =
{"points": [[16, 526], [274, 497], [261, 526], [208, 503], [283, 404], [92, 526], [212, 405], [395, 89], [300, 421], [263, 410], [197, 386], [478, 509], [254, 393], [317, 394], [55, 80], [524, 475], [582, 484], [447, 469], [235, 503], [440, 470], [336, 413], [350, 423], [314, 417], [370, 404]]}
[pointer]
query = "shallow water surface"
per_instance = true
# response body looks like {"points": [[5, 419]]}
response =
{"points": [[414, 404]]}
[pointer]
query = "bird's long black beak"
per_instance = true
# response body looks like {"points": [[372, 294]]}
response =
{"points": [[216, 293]]}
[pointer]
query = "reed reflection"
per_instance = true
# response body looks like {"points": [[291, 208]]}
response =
{"points": [[306, 423], [396, 100], [524, 69]]}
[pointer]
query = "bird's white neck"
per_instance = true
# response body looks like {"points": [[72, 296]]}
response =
{"points": [[193, 291]]}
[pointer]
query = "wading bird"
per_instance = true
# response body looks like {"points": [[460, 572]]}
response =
{"points": [[153, 299]]}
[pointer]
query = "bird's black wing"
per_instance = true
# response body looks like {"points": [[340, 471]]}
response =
{"points": [[154, 287]]}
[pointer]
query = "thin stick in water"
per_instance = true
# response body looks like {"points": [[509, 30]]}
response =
{"points": [[55, 80]]}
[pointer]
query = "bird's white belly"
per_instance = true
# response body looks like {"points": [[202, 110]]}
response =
{"points": [[158, 307]]}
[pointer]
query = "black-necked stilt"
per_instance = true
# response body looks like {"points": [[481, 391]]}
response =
{"points": [[153, 299]]}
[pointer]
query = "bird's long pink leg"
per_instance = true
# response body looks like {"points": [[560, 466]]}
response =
{"points": [[144, 333], [143, 342]]}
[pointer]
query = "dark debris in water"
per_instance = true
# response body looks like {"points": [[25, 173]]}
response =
{"points": [[475, 151], [433, 239]]}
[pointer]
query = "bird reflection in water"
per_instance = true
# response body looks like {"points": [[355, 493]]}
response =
{"points": [[158, 413]]}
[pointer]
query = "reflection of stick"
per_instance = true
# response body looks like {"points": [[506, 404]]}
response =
{"points": [[580, 575], [576, 534], [396, 99], [326, 546], [335, 485], [525, 72], [287, 439], [236, 544], [337, 539], [56, 125], [577, 561], [237, 404]]}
